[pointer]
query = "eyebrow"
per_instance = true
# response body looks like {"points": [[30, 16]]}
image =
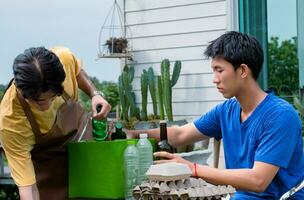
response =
{"points": [[216, 67]]}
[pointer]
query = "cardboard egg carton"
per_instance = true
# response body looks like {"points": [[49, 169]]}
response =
{"points": [[185, 189], [168, 172]]}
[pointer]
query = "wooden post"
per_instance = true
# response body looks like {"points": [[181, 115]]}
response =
{"points": [[216, 152]]}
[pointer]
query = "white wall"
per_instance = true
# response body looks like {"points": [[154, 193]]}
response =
{"points": [[178, 30]]}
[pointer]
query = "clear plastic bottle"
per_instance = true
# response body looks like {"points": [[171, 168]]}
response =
{"points": [[131, 158], [145, 151]]}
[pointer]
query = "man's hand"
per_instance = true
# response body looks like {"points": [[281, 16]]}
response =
{"points": [[169, 157]]}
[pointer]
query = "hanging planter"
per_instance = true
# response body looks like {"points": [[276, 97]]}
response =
{"points": [[114, 44]]}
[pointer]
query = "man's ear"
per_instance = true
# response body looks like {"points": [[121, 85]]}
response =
{"points": [[244, 69]]}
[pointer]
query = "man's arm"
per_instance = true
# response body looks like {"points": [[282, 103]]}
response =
{"points": [[256, 179], [28, 192], [86, 85], [177, 135]]}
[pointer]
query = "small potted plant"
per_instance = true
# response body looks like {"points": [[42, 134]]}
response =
{"points": [[117, 45]]}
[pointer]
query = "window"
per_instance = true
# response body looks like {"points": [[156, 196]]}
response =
{"points": [[274, 23]]}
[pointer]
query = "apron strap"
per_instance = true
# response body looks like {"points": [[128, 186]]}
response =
{"points": [[29, 114], [65, 96]]}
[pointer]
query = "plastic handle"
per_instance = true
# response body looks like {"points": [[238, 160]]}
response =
{"points": [[98, 108]]}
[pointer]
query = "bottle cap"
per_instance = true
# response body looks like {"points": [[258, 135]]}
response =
{"points": [[118, 125], [143, 135]]}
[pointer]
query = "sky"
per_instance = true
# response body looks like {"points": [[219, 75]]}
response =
{"points": [[282, 18], [75, 24]]}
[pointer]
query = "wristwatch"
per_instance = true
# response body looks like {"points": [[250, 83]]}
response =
{"points": [[96, 92]]}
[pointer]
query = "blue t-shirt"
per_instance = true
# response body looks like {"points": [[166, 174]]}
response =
{"points": [[271, 134]]}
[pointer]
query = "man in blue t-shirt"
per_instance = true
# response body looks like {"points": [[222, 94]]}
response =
{"points": [[261, 133]]}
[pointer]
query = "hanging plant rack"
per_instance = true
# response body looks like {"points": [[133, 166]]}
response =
{"points": [[115, 44]]}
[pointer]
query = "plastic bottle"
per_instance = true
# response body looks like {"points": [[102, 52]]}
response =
{"points": [[145, 151], [131, 158], [99, 127]]}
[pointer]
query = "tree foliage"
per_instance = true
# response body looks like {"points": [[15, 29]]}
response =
{"points": [[284, 72], [1, 94], [283, 64], [2, 88], [110, 90]]}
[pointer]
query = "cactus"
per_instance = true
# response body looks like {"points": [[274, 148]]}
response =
{"points": [[168, 83], [144, 94], [135, 112], [127, 96], [176, 72], [130, 71], [165, 74], [151, 83], [123, 100], [160, 98]]}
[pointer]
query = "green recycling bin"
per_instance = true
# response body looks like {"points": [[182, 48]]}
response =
{"points": [[96, 169]]}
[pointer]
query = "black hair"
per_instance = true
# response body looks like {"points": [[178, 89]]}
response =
{"points": [[38, 70], [238, 48]]}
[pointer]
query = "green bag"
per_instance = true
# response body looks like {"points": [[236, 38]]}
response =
{"points": [[96, 169]]}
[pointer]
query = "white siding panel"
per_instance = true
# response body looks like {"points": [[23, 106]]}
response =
{"points": [[171, 54], [188, 67], [197, 108], [138, 5], [189, 95], [185, 106], [186, 81], [171, 41], [195, 80], [196, 95], [177, 30], [175, 27], [176, 13], [182, 109]]}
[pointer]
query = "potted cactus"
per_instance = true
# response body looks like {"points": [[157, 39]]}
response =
{"points": [[117, 45], [160, 87], [126, 95], [167, 84]]}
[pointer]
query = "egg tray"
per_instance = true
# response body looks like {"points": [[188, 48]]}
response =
{"points": [[185, 189]]}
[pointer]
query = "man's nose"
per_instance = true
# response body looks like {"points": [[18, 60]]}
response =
{"points": [[215, 79]]}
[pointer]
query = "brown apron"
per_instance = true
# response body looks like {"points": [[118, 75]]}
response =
{"points": [[49, 154]]}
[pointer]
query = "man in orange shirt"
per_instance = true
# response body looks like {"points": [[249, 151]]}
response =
{"points": [[40, 114]]}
